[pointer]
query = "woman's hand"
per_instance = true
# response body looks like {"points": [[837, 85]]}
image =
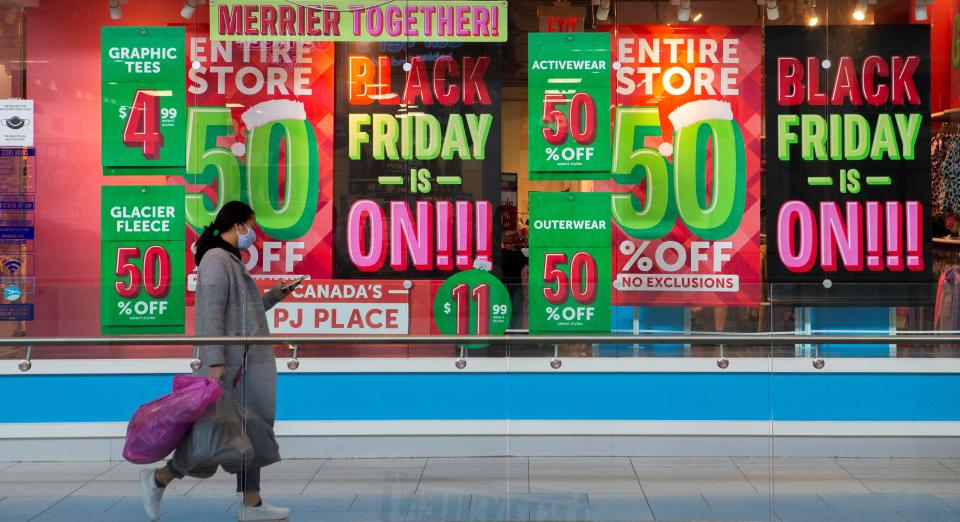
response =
{"points": [[216, 373], [285, 289]]}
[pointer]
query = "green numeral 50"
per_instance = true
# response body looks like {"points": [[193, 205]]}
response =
{"points": [[281, 216], [678, 188]]}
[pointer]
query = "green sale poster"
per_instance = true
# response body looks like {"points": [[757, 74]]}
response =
{"points": [[569, 262], [569, 92], [143, 112], [142, 269]]}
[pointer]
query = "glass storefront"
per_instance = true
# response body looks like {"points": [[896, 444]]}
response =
{"points": [[480, 260]]}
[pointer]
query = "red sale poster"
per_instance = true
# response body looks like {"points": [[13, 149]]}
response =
{"points": [[260, 130], [686, 165]]}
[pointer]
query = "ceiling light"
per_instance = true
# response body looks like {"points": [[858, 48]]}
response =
{"points": [[773, 10], [697, 17], [683, 11], [860, 11], [115, 12], [921, 11], [603, 10], [189, 7]]}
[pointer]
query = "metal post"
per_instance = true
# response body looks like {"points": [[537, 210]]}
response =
{"points": [[294, 362], [195, 364], [26, 363], [556, 363], [818, 363], [723, 362]]}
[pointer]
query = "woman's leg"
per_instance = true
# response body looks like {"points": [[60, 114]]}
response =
{"points": [[152, 485], [248, 483], [166, 474]]}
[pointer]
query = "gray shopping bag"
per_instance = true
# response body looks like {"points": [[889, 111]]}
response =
{"points": [[216, 439]]}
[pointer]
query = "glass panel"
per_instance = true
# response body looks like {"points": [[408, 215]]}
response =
{"points": [[767, 219]]}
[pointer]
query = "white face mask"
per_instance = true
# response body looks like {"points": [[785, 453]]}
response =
{"points": [[245, 241]]}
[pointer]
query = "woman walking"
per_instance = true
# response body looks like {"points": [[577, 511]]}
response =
{"points": [[228, 303]]}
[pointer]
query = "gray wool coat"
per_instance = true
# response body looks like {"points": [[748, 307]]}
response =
{"points": [[229, 303]]}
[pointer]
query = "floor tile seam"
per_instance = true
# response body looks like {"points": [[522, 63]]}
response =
{"points": [[948, 468], [944, 502], [744, 475], [119, 500], [705, 501], [315, 473], [853, 476], [68, 495], [640, 484], [423, 470]]}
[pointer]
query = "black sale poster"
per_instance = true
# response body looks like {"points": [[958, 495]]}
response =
{"points": [[848, 165]]}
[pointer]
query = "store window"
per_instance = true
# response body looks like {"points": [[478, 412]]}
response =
{"points": [[577, 168], [702, 242]]}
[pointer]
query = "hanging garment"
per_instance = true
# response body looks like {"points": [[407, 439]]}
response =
{"points": [[946, 313], [951, 177], [937, 157]]}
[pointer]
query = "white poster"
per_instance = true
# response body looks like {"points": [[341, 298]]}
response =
{"points": [[16, 123]]}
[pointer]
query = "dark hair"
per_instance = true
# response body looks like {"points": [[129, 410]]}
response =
{"points": [[233, 213]]}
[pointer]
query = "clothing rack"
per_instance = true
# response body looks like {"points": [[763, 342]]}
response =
{"points": [[946, 253], [947, 115]]}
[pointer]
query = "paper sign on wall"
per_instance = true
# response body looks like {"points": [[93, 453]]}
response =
{"points": [[686, 165], [141, 260], [143, 112], [569, 262], [848, 164], [568, 86], [16, 123]]}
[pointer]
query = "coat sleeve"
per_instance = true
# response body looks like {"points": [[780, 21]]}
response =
{"points": [[271, 298], [213, 293]]}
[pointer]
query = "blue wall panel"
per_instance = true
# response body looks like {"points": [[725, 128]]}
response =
{"points": [[521, 396]]}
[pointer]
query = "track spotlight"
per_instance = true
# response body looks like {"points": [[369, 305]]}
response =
{"points": [[773, 10], [683, 11], [115, 12], [921, 11], [603, 10], [860, 11], [189, 7]]}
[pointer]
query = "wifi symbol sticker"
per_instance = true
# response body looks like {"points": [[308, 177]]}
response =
{"points": [[12, 265]]}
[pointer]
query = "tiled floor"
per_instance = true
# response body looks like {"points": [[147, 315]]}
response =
{"points": [[515, 488]]}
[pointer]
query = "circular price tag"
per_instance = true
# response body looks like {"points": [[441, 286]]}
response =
{"points": [[473, 302]]}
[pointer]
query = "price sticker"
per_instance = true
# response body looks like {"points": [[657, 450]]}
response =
{"points": [[473, 302], [143, 127]]}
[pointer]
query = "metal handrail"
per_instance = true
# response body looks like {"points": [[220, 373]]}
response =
{"points": [[699, 338]]}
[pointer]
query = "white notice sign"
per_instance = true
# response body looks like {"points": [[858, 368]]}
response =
{"points": [[16, 123]]}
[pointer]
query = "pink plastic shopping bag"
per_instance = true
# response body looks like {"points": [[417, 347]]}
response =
{"points": [[160, 425]]}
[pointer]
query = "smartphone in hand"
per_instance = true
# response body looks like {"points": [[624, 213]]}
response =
{"points": [[290, 285]]}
